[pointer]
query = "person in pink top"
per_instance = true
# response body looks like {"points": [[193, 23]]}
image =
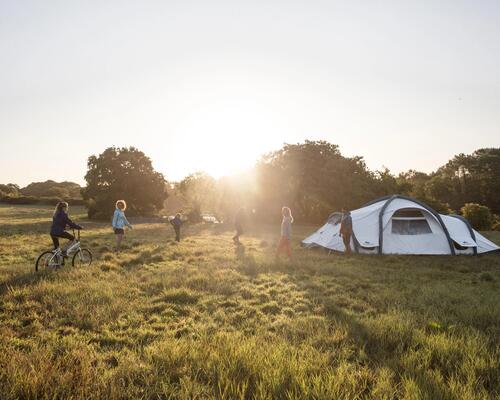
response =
{"points": [[285, 245]]}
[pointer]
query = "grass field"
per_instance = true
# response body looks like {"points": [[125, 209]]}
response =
{"points": [[205, 319]]}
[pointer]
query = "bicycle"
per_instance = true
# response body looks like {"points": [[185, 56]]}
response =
{"points": [[54, 259]]}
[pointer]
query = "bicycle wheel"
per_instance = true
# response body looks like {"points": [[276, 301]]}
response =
{"points": [[48, 260], [82, 258]]}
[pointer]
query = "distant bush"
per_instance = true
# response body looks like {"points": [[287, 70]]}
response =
{"points": [[19, 199], [496, 225], [9, 189], [63, 190], [26, 200], [44, 193], [478, 215]]}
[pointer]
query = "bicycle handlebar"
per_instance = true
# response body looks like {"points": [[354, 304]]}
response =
{"points": [[78, 236]]}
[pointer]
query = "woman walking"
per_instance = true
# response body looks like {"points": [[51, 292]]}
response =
{"points": [[119, 223], [286, 233]]}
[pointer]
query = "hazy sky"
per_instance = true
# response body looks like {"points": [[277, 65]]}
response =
{"points": [[213, 84]]}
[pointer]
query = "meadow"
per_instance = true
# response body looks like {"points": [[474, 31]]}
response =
{"points": [[204, 319]]}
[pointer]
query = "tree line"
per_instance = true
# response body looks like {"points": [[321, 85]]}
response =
{"points": [[313, 178], [48, 192]]}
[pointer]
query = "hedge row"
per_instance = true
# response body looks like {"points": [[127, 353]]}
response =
{"points": [[51, 201]]}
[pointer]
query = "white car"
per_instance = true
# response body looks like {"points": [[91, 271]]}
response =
{"points": [[210, 219]]}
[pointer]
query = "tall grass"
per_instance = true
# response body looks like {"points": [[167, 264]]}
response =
{"points": [[204, 319]]}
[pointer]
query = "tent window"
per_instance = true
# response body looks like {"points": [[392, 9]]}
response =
{"points": [[408, 213], [410, 221], [410, 226]]}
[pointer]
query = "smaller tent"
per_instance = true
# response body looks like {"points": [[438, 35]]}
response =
{"points": [[402, 225]]}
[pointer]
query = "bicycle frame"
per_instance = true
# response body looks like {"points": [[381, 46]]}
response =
{"points": [[56, 258], [71, 249]]}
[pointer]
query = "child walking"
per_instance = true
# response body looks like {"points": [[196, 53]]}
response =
{"points": [[238, 225], [119, 223], [60, 220], [176, 223], [286, 233]]}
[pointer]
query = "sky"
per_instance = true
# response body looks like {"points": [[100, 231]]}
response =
{"points": [[212, 85]]}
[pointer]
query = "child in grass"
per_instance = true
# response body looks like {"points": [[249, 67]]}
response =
{"points": [[176, 223], [238, 225], [286, 233], [119, 223]]}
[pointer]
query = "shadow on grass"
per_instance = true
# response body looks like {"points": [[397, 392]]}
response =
{"points": [[383, 342], [380, 349], [23, 228], [25, 279], [246, 262]]}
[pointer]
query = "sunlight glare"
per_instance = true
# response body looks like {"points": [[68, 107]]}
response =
{"points": [[230, 137]]}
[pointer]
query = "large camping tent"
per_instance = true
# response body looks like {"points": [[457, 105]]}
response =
{"points": [[401, 225]]}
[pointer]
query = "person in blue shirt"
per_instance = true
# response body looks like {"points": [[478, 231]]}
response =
{"points": [[176, 223], [60, 221], [119, 223]]}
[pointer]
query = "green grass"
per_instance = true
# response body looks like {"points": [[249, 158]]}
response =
{"points": [[204, 319]]}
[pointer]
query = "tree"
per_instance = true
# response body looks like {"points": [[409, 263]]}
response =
{"points": [[313, 178], [10, 190], [388, 184], [123, 173], [412, 183], [223, 197], [469, 178], [200, 189], [484, 166], [235, 192]]}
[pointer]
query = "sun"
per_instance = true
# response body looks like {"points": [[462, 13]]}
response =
{"points": [[225, 138]]}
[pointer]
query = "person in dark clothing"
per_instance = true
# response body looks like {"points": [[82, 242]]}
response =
{"points": [[238, 225], [176, 223], [346, 230], [60, 220]]}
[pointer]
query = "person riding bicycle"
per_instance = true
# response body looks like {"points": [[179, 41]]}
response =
{"points": [[60, 220]]}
